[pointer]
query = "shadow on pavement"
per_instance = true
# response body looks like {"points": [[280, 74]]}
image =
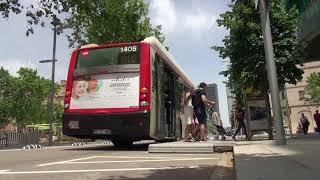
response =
{"points": [[277, 166], [298, 159], [111, 147], [199, 173]]}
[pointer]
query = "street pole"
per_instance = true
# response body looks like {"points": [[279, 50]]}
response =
{"points": [[52, 83], [272, 73]]}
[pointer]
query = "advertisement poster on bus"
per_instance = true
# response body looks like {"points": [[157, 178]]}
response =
{"points": [[116, 90]]}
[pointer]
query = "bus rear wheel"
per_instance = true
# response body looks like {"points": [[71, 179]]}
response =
{"points": [[122, 142]]}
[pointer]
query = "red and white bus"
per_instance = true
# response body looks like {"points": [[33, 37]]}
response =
{"points": [[124, 92]]}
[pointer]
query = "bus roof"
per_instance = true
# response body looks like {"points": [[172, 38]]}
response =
{"points": [[155, 43]]}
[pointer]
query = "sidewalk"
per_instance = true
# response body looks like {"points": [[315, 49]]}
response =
{"points": [[263, 160]]}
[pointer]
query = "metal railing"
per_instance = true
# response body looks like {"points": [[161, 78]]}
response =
{"points": [[8, 138]]}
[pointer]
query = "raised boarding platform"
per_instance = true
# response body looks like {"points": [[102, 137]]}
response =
{"points": [[192, 147]]}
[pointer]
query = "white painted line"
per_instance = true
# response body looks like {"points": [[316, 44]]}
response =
{"points": [[135, 161], [93, 170], [4, 150], [75, 147], [137, 157], [4, 170], [193, 167], [62, 162], [55, 147]]}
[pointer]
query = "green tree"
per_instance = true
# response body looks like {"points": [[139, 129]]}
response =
{"points": [[29, 97], [109, 21], [10, 6], [58, 110], [6, 84], [26, 99], [95, 21], [312, 89], [245, 49]]}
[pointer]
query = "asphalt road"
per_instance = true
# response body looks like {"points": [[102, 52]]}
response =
{"points": [[106, 162]]}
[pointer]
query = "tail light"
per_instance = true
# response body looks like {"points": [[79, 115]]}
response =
{"points": [[67, 100], [144, 103], [144, 90], [144, 97]]}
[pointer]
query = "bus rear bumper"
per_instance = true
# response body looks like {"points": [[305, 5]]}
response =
{"points": [[133, 125]]}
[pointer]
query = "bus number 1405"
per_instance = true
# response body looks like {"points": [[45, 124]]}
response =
{"points": [[129, 49]]}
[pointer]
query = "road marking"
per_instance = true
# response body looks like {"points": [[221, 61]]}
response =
{"points": [[4, 170], [137, 157], [135, 161], [71, 160], [57, 147], [96, 170]]}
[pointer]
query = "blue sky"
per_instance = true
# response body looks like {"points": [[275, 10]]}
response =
{"points": [[189, 26]]}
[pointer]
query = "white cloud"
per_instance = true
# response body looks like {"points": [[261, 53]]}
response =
{"points": [[199, 21], [164, 13], [180, 20], [13, 65]]}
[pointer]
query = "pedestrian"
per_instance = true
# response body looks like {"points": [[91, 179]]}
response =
{"points": [[188, 115], [218, 124], [316, 117], [304, 123], [239, 114], [199, 99]]}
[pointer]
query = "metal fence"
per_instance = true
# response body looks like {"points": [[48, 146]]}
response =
{"points": [[11, 138]]}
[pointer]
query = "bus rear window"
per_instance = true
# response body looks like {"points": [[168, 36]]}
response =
{"points": [[108, 56]]}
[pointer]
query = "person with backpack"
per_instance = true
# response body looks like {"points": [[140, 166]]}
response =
{"points": [[199, 99]]}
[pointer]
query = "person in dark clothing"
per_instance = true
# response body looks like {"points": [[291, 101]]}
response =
{"points": [[241, 124], [304, 123], [316, 117], [199, 99]]}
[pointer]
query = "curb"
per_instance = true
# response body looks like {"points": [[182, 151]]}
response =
{"points": [[79, 144], [33, 146], [225, 168]]}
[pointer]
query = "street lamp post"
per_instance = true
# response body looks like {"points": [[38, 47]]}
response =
{"points": [[271, 69], [53, 60]]}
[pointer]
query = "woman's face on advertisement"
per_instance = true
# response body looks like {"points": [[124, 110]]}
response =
{"points": [[80, 88], [93, 84]]}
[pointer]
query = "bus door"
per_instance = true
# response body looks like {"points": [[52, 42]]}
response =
{"points": [[158, 83], [169, 102]]}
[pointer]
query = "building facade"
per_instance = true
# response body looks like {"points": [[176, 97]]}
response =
{"points": [[309, 32], [60, 95], [212, 94], [296, 102]]}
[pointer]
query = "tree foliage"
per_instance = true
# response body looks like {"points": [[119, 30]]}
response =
{"points": [[6, 88], [109, 21], [312, 89], [95, 21], [10, 6], [244, 46], [25, 98]]}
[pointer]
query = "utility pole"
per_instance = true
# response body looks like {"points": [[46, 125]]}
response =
{"points": [[52, 82], [272, 72], [53, 61]]}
